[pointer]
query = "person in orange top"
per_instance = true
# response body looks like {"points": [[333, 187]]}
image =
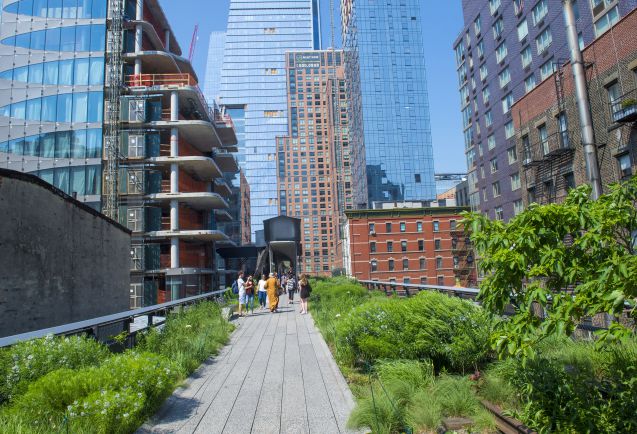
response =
{"points": [[272, 287]]}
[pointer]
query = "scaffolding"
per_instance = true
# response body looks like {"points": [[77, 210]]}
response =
{"points": [[112, 97]]}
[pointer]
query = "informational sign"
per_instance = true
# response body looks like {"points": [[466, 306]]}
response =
{"points": [[307, 60]]}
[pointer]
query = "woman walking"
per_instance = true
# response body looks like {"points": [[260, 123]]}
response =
{"points": [[263, 293], [242, 293], [304, 292], [250, 295], [272, 287], [291, 287]]}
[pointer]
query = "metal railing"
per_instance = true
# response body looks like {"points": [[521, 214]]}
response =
{"points": [[149, 80], [104, 328], [409, 289], [624, 108]]}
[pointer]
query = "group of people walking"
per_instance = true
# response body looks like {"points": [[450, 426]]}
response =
{"points": [[269, 290]]}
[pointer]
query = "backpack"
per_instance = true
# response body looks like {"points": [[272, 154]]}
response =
{"points": [[235, 287]]}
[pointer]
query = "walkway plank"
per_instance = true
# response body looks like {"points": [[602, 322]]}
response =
{"points": [[276, 375]]}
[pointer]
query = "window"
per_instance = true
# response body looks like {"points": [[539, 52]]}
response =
{"points": [[437, 245], [493, 6], [544, 138], [494, 165], [527, 56], [406, 280], [509, 130], [403, 226], [374, 266], [499, 215], [625, 166], [372, 247], [421, 263], [480, 48], [539, 12], [482, 175], [372, 228], [436, 226], [135, 219], [423, 280], [507, 102], [562, 126], [390, 246], [419, 226], [529, 83], [484, 194], [569, 181], [498, 28], [614, 92], [546, 69], [421, 245], [488, 118], [543, 41], [607, 21], [403, 246], [518, 207], [405, 264], [512, 155], [477, 26], [491, 142], [496, 188], [484, 72], [526, 148], [523, 30], [515, 181], [485, 95], [390, 265], [438, 263], [388, 228], [453, 225], [501, 52], [441, 280], [504, 77]]}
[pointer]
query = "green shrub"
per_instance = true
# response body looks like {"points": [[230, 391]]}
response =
{"points": [[27, 361], [453, 333]]}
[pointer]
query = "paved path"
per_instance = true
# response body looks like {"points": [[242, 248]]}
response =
{"points": [[276, 375]]}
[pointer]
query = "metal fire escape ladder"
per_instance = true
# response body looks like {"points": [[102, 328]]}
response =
{"points": [[113, 94]]}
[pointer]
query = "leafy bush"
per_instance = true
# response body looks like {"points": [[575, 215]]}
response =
{"points": [[453, 333], [574, 387], [27, 361]]}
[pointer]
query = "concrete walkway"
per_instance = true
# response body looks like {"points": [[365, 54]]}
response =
{"points": [[276, 375]]}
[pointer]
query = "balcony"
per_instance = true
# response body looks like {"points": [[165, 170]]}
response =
{"points": [[624, 108], [552, 146], [203, 168], [198, 201], [226, 162]]}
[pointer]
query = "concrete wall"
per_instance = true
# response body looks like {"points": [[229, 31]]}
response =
{"points": [[60, 261]]}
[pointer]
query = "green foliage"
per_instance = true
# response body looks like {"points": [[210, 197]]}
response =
{"points": [[573, 387], [189, 337], [451, 332], [581, 244], [27, 361]]}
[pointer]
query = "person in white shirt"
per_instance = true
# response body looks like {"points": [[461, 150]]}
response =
{"points": [[242, 293], [263, 293]]}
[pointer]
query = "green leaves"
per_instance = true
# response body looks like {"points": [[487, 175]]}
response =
{"points": [[564, 262]]}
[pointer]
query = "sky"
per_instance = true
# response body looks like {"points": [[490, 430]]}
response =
{"points": [[442, 22]]}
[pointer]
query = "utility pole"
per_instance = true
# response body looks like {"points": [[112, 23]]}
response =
{"points": [[583, 104]]}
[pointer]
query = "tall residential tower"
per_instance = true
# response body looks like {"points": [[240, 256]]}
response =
{"points": [[253, 86], [389, 109]]}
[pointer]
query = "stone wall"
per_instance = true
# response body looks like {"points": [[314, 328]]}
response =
{"points": [[60, 260]]}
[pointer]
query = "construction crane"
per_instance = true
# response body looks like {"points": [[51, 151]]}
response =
{"points": [[193, 43]]}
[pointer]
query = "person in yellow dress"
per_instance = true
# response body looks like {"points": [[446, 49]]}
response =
{"points": [[272, 287]]}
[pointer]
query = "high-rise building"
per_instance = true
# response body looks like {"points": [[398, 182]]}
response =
{"points": [[314, 177], [212, 82], [51, 93], [389, 109], [505, 50], [253, 86]]}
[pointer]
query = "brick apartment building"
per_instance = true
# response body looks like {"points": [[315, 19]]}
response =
{"points": [[410, 245], [549, 151]]}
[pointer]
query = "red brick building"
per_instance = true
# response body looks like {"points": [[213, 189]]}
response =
{"points": [[410, 245]]}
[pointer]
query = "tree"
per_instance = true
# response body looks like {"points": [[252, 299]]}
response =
{"points": [[570, 260]]}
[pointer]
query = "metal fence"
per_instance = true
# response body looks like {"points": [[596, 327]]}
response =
{"points": [[105, 328]]}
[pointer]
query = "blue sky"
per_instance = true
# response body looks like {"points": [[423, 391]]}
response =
{"points": [[442, 23]]}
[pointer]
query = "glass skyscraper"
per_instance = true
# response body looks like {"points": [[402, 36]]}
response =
{"points": [[389, 110], [253, 86], [212, 83], [51, 92]]}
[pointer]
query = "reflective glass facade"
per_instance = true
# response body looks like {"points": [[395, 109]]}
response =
{"points": [[389, 109], [253, 80], [212, 82], [51, 92]]}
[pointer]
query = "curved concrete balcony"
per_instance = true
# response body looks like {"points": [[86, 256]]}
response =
{"points": [[154, 60], [196, 236], [155, 39], [226, 162], [200, 134], [203, 168], [199, 201], [221, 215], [221, 187]]}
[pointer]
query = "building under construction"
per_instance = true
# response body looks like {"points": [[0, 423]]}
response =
{"points": [[549, 150], [172, 150]]}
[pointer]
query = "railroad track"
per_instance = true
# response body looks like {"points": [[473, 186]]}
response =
{"points": [[505, 424]]}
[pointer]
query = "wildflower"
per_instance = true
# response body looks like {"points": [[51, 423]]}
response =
{"points": [[125, 415], [188, 326], [338, 315]]}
